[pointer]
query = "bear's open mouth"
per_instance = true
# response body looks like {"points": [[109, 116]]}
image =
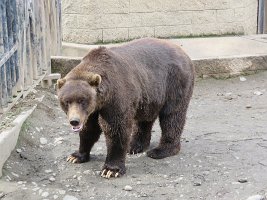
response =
{"points": [[77, 128]]}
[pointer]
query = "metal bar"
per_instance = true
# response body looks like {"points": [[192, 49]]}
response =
{"points": [[261, 16], [8, 54], [4, 68], [1, 55]]}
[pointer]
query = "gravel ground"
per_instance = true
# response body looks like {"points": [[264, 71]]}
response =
{"points": [[223, 156]]}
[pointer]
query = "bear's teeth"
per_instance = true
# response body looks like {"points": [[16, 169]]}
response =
{"points": [[76, 128]]}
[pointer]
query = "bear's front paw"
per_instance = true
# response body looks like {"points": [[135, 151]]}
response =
{"points": [[115, 171], [77, 157], [161, 152], [136, 148]]}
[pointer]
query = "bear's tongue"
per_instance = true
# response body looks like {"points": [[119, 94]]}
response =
{"points": [[77, 128]]}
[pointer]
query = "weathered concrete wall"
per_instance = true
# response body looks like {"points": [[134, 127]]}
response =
{"points": [[90, 21]]}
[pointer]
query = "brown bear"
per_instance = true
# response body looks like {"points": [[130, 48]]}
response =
{"points": [[120, 91]]}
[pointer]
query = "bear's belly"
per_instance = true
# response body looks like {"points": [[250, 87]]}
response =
{"points": [[147, 112]]}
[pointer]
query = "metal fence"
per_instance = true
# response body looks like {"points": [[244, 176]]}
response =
{"points": [[262, 17], [30, 32]]}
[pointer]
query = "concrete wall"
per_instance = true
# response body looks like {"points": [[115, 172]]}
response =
{"points": [[90, 21]]}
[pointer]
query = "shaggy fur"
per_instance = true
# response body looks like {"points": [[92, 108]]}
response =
{"points": [[121, 91]]}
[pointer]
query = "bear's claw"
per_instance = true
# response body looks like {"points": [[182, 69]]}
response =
{"points": [[72, 159], [77, 157], [109, 173]]}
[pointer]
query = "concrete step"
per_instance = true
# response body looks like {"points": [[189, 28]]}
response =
{"points": [[219, 57]]}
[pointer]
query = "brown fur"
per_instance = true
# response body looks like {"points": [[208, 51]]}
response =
{"points": [[121, 91]]}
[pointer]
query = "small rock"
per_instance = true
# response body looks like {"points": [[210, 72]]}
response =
{"points": [[242, 180], [18, 150], [45, 194], [40, 191], [55, 196], [20, 182], [257, 197], [74, 177], [62, 192], [248, 106], [37, 129], [35, 189], [2, 194], [52, 179], [43, 140], [144, 195], [128, 188], [242, 78], [14, 174], [68, 197], [258, 93], [58, 140], [197, 184], [87, 172], [48, 171]]}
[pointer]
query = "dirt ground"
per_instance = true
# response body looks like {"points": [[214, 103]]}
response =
{"points": [[223, 155]]}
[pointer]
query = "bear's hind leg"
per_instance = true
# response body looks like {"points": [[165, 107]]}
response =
{"points": [[172, 121], [141, 137], [88, 137]]}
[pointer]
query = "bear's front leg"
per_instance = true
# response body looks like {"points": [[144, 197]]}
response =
{"points": [[88, 137], [117, 139]]}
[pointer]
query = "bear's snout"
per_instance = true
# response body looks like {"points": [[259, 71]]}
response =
{"points": [[75, 121]]}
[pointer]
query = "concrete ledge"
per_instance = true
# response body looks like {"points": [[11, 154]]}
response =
{"points": [[8, 138], [218, 57], [229, 67], [211, 67], [63, 64]]}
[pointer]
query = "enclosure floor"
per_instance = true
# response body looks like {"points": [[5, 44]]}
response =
{"points": [[223, 153]]}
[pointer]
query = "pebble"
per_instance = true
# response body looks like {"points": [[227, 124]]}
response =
{"points": [[128, 188], [2, 194], [58, 140], [43, 140], [14, 174], [68, 197], [87, 172], [258, 93], [35, 189], [197, 184], [62, 192], [52, 179], [242, 180], [248, 106], [45, 194], [257, 197], [55, 196], [242, 78], [40, 191], [18, 150], [48, 171]]}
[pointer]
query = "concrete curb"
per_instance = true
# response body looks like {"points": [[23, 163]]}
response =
{"points": [[8, 138], [224, 67], [230, 67]]}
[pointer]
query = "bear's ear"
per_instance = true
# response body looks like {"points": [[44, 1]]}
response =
{"points": [[94, 80], [60, 82]]}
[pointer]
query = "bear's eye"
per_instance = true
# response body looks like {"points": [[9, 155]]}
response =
{"points": [[67, 103], [81, 101]]}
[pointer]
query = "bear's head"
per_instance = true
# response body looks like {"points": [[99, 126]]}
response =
{"points": [[78, 97]]}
